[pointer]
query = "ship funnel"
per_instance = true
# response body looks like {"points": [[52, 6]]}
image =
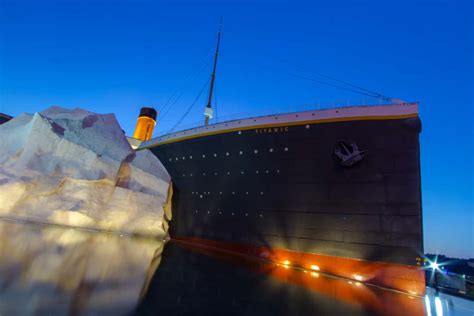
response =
{"points": [[145, 124]]}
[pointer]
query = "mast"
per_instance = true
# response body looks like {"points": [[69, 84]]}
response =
{"points": [[208, 110]]}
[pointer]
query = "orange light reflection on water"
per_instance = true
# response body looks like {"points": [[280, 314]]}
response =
{"points": [[371, 298]]}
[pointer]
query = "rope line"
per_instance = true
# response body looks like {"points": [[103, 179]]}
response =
{"points": [[192, 105]]}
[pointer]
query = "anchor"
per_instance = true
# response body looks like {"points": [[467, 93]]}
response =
{"points": [[349, 156]]}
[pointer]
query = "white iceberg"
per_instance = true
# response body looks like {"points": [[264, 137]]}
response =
{"points": [[76, 168]]}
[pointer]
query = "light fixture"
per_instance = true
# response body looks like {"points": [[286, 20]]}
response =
{"points": [[358, 277], [314, 267]]}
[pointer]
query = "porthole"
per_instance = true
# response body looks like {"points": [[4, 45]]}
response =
{"points": [[203, 173], [312, 114], [256, 171], [261, 193], [307, 126], [246, 214], [266, 171], [190, 157], [196, 211], [176, 158], [232, 214], [215, 173], [200, 196], [255, 151], [270, 150], [171, 159], [208, 212], [191, 174], [247, 193], [241, 152], [278, 170], [276, 118], [240, 132], [203, 156], [220, 193], [233, 193], [228, 172], [220, 213], [286, 148], [261, 215], [184, 175], [208, 192], [184, 158], [215, 155], [227, 154]]}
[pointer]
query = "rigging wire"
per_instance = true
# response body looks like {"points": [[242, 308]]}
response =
{"points": [[178, 97], [377, 96], [340, 81], [192, 75], [192, 105], [353, 89]]}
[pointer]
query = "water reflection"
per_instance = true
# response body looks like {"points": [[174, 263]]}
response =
{"points": [[51, 270], [59, 271], [193, 280]]}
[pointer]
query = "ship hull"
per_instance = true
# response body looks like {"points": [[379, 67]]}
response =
{"points": [[291, 190]]}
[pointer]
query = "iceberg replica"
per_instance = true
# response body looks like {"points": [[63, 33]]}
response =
{"points": [[76, 168]]}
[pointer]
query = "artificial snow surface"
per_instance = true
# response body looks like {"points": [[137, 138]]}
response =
{"points": [[76, 168]]}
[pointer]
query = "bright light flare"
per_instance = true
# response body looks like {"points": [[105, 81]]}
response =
{"points": [[286, 262], [314, 267], [314, 274], [434, 265], [358, 277]]}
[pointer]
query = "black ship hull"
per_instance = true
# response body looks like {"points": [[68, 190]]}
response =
{"points": [[346, 187]]}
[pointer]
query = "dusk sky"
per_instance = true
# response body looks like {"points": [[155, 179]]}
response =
{"points": [[117, 56]]}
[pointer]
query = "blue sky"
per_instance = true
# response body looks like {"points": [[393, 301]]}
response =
{"points": [[116, 56]]}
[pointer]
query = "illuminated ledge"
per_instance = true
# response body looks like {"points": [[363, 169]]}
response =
{"points": [[355, 113]]}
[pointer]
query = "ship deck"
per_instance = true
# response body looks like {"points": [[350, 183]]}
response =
{"points": [[339, 114]]}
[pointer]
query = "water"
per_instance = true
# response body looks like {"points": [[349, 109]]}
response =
{"points": [[59, 271]]}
